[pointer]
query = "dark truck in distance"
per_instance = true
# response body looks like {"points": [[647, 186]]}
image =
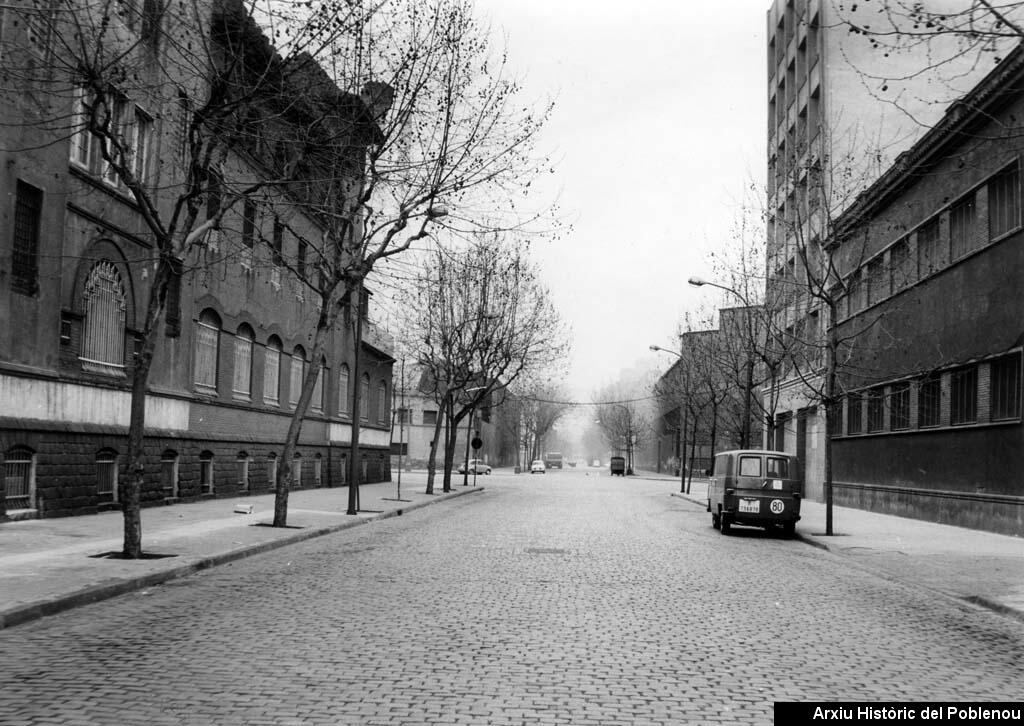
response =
{"points": [[553, 460]]}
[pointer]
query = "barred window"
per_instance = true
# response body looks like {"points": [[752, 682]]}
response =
{"points": [[318, 471], [899, 407], [1004, 202], [272, 471], [243, 470], [429, 418], [930, 253], [962, 233], [272, 371], [929, 401], [169, 472], [206, 472], [105, 302], [854, 413], [19, 478], [343, 393], [297, 471], [106, 474], [1005, 387], [876, 409], [963, 396], [207, 346], [242, 384], [28, 207]]}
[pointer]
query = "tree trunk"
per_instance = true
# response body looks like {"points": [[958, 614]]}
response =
{"points": [[354, 468], [131, 486], [432, 458]]}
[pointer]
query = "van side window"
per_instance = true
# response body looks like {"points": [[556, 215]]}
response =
{"points": [[778, 468], [721, 466], [750, 466]]}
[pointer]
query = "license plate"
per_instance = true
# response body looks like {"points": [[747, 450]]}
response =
{"points": [[750, 506]]}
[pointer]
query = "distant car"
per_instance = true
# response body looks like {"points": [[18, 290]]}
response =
{"points": [[476, 466], [537, 467]]}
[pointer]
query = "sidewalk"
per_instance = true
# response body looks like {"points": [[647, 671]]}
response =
{"points": [[49, 565], [971, 566]]}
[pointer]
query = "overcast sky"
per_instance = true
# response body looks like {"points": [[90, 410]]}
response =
{"points": [[659, 126]]}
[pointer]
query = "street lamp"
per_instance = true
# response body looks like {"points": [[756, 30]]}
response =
{"points": [[749, 385]]}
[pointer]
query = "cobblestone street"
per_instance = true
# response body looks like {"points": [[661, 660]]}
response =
{"points": [[559, 599]]}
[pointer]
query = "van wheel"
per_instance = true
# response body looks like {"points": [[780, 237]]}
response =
{"points": [[715, 521], [726, 525]]}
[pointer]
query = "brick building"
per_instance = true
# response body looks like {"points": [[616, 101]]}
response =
{"points": [[76, 260], [933, 256]]}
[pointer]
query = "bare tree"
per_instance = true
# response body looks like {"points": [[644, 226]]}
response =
{"points": [[480, 320], [624, 422]]}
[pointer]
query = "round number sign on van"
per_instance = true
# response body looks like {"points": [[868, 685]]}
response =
{"points": [[777, 506]]}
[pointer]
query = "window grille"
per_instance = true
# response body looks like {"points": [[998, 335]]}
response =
{"points": [[272, 372], [242, 384], [899, 407], [343, 392], [207, 345], [169, 473], [272, 471], [28, 208], [105, 304], [206, 473], [19, 479], [1004, 202], [106, 474], [297, 471], [243, 471], [963, 396], [854, 413], [961, 227], [929, 401], [1005, 387], [876, 409]]}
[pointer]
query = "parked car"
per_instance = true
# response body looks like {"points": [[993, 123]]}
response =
{"points": [[755, 488], [537, 467], [476, 466]]}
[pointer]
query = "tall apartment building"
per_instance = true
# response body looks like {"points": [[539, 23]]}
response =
{"points": [[837, 118]]}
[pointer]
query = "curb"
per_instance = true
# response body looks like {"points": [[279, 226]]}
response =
{"points": [[21, 614]]}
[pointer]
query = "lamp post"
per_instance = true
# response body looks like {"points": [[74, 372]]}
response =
{"points": [[749, 383]]}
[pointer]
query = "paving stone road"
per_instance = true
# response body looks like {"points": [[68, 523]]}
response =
{"points": [[556, 599]]}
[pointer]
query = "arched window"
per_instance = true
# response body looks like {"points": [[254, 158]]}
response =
{"points": [[106, 474], [298, 373], [317, 404], [169, 473], [382, 403], [241, 387], [104, 301], [272, 371], [206, 472], [364, 398], [344, 396], [20, 478], [207, 345], [243, 471]]}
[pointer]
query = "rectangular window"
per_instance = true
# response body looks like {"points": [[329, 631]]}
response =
{"points": [[930, 254], [855, 293], [249, 224], [317, 403], [901, 265], [1005, 387], [750, 466], [295, 381], [1004, 202], [142, 141], [899, 407], [106, 475], [243, 472], [207, 342], [121, 129], [297, 472], [28, 208], [963, 396], [300, 259], [278, 243], [382, 404], [778, 468], [169, 474], [929, 401], [19, 484], [854, 413], [429, 418], [876, 409], [963, 236], [206, 474], [877, 284], [82, 141]]}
